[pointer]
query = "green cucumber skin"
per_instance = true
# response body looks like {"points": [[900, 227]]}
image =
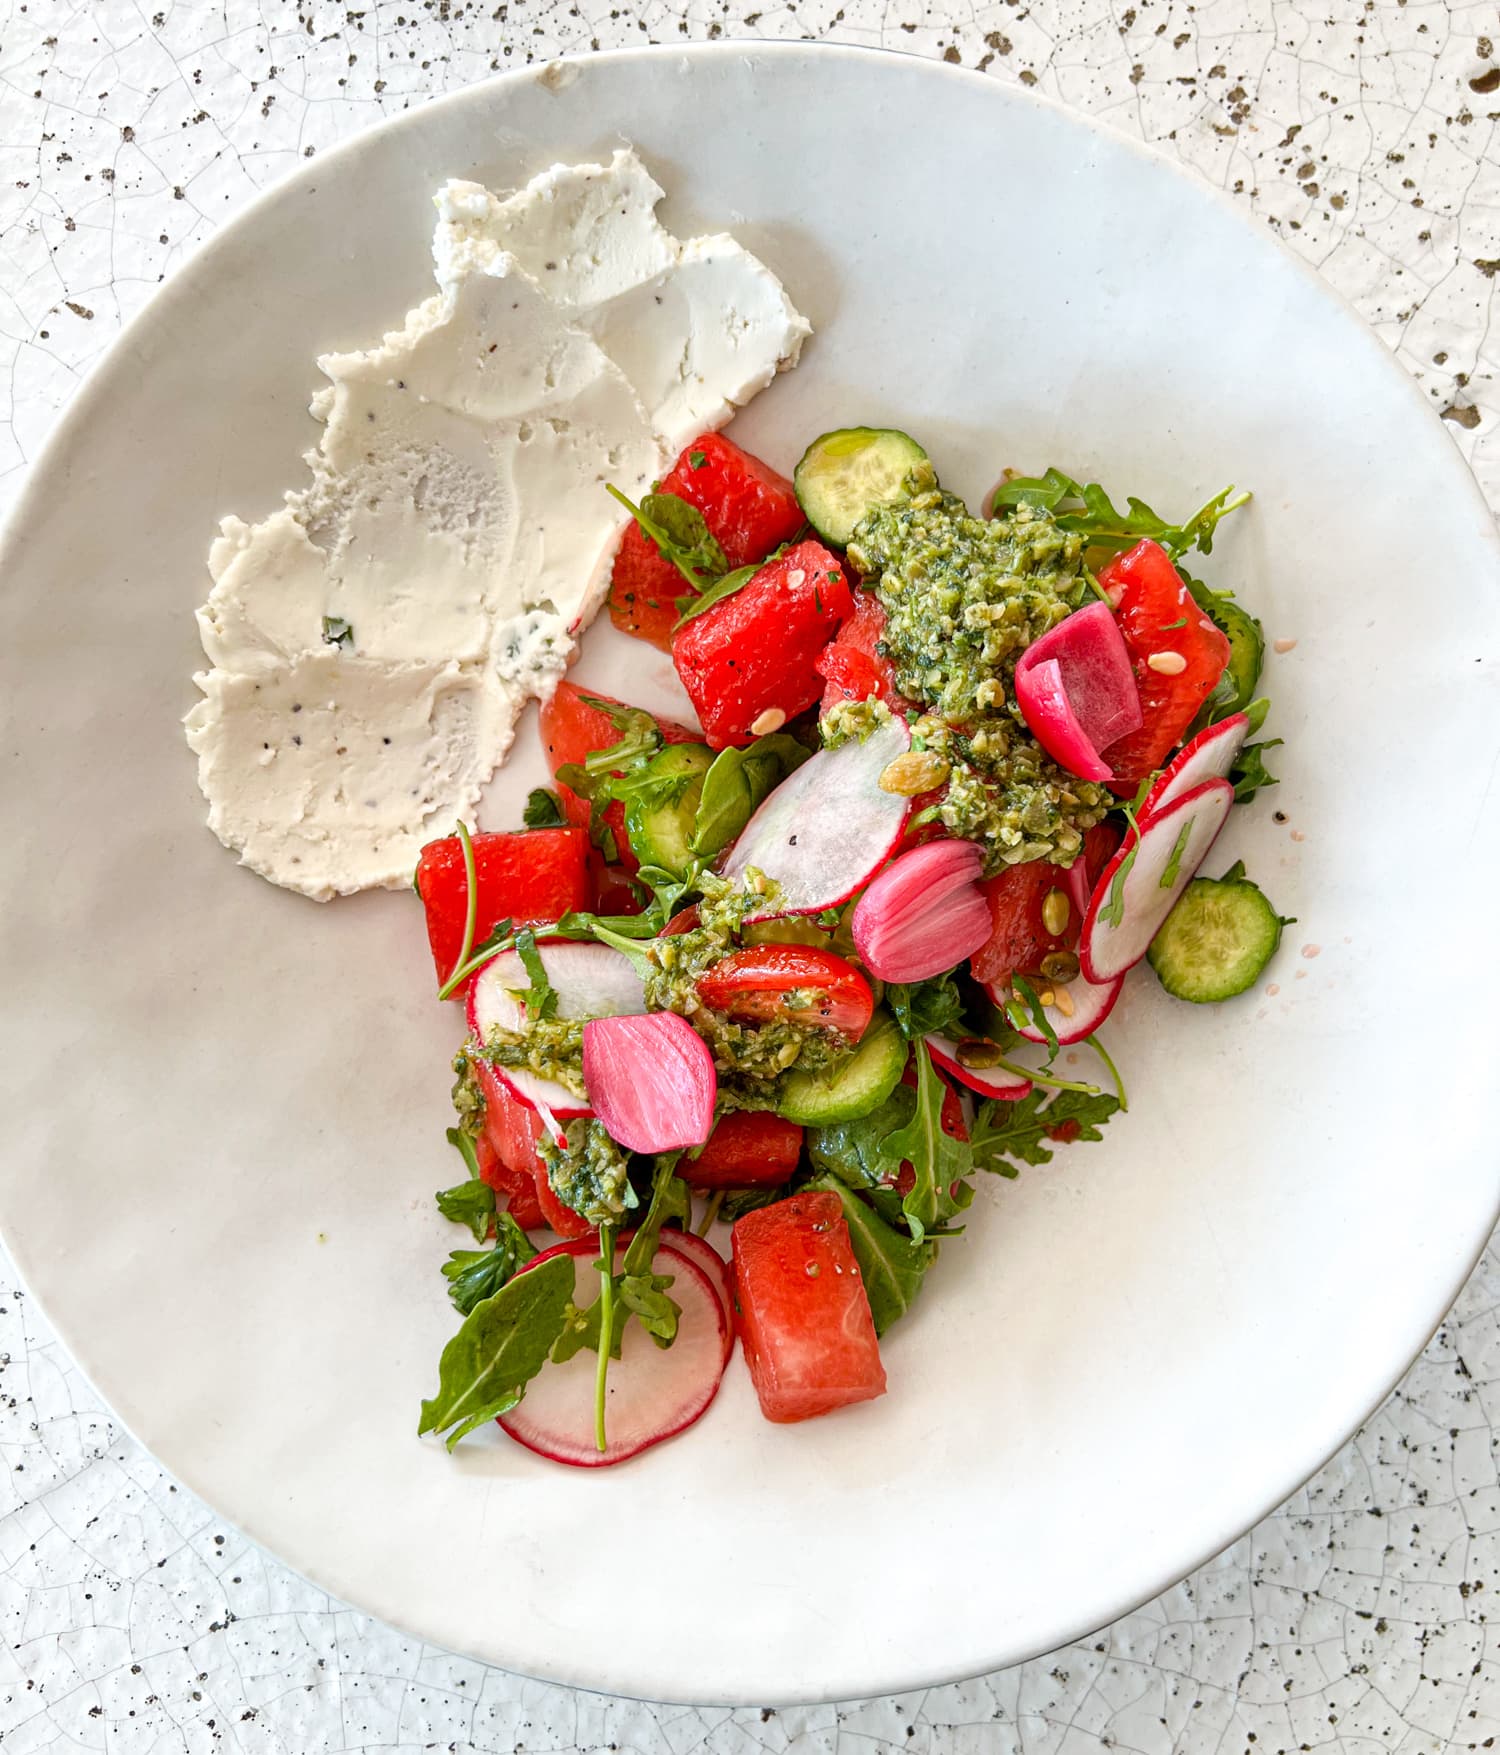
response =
{"points": [[662, 834], [1247, 651], [1190, 976], [861, 1084], [829, 509]]}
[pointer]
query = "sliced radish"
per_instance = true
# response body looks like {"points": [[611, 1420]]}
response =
{"points": [[652, 1393], [591, 981], [1137, 890], [1077, 691], [923, 913], [1092, 1002], [989, 1081], [702, 1254], [827, 828], [651, 1080], [1209, 756]]}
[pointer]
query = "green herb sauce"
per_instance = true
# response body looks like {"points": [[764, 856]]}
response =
{"points": [[964, 597]]}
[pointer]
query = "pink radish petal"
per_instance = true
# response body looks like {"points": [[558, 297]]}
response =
{"points": [[1044, 703], [590, 981], [652, 1393], [651, 1080], [923, 913], [1077, 690]]}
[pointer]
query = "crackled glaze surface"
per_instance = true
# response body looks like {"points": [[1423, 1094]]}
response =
{"points": [[1355, 1618]]}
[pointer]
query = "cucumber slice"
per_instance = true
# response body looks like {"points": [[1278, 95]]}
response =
{"points": [[854, 1087], [849, 472], [663, 806], [1247, 650], [1217, 940]]}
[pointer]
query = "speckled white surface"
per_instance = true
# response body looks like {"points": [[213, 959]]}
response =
{"points": [[1355, 1618]]}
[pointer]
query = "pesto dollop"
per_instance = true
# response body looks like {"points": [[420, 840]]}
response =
{"points": [[963, 598], [749, 1057], [589, 1172], [552, 1048]]}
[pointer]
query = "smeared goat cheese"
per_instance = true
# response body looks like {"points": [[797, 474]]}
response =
{"points": [[373, 641]]}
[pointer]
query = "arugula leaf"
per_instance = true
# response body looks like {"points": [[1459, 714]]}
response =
{"points": [[504, 1342], [1249, 771], [1255, 714], [735, 785], [937, 1158], [1086, 509], [669, 1200], [542, 810], [470, 1203], [693, 604], [924, 1007], [540, 998], [337, 632], [678, 529], [890, 1264], [640, 1292], [1003, 1131], [1038, 1014], [476, 1274]]}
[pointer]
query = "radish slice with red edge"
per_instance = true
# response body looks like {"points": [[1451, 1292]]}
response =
{"points": [[1139, 887], [700, 1251], [652, 1393], [651, 1080], [827, 828], [1092, 1002], [1209, 756], [590, 981], [989, 1081], [1077, 691], [923, 913]]}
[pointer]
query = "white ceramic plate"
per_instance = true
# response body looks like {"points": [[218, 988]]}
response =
{"points": [[225, 1105]]}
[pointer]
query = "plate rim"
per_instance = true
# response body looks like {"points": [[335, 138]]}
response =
{"points": [[94, 388]]}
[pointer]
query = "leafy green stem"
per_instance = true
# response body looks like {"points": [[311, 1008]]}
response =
{"points": [[471, 913], [1114, 1071], [1046, 1079], [710, 1212], [606, 1328]]}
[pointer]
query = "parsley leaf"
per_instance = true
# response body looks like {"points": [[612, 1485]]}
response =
{"points": [[337, 632], [470, 1203], [1086, 509], [540, 998], [938, 1159], [696, 459], [1249, 771], [923, 1008], [891, 1264], [1018, 1130], [542, 810], [504, 1342], [476, 1274], [679, 530]]}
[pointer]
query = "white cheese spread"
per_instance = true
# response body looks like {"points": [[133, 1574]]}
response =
{"points": [[373, 642]]}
